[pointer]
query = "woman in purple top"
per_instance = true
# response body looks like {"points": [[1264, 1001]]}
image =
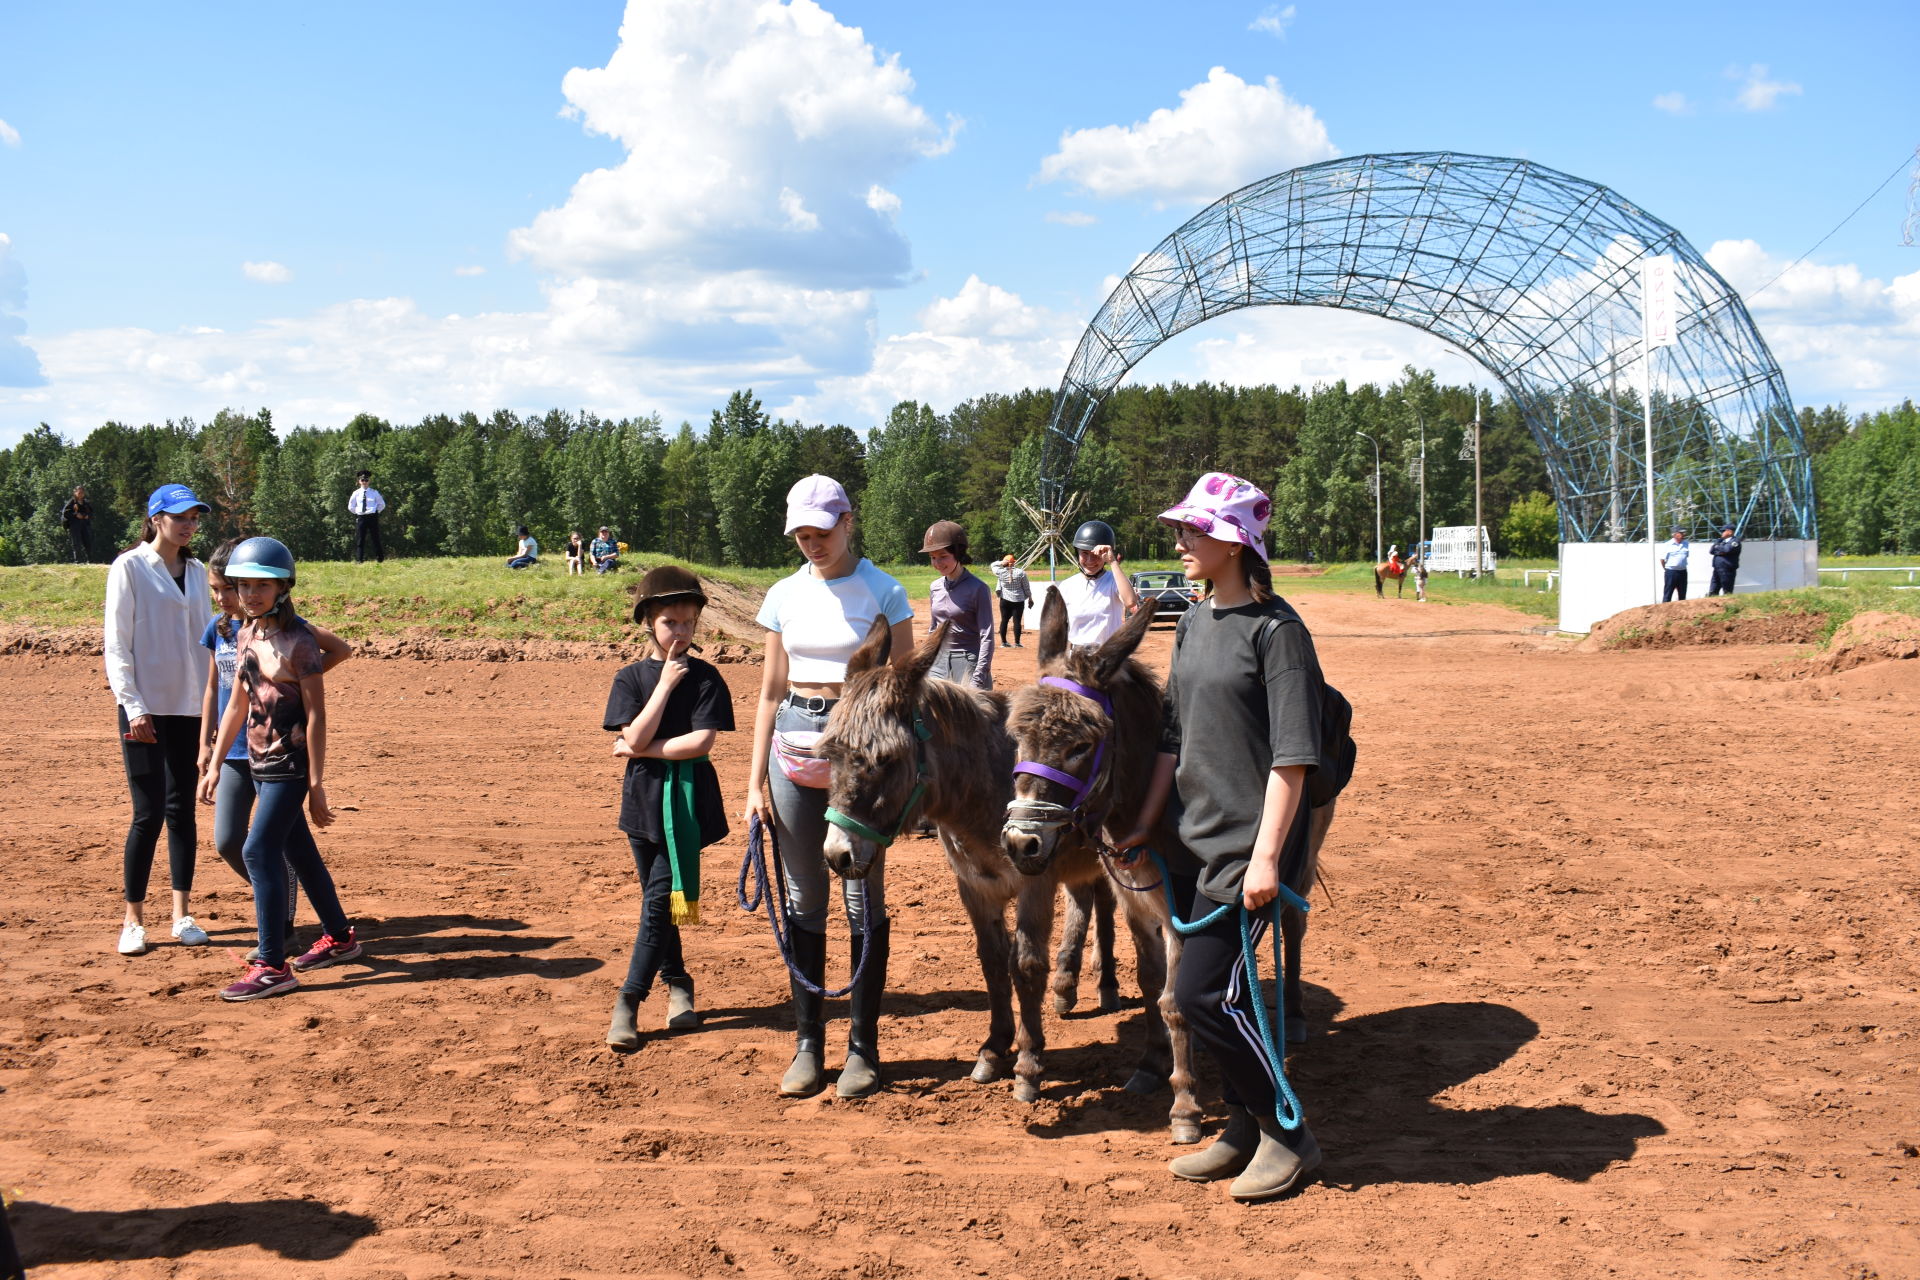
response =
{"points": [[963, 600]]}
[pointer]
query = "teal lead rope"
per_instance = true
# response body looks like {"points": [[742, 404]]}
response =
{"points": [[1286, 1106]]}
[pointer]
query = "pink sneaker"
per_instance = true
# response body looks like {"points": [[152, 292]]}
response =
{"points": [[259, 983], [328, 950]]}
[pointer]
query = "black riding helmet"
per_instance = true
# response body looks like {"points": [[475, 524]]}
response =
{"points": [[667, 584], [1093, 533]]}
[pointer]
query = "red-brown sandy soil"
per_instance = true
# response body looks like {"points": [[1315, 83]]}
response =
{"points": [[1617, 976]]}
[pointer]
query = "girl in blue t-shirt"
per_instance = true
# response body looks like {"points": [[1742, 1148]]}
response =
{"points": [[815, 619], [233, 794]]}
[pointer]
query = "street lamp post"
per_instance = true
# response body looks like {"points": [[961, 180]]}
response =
{"points": [[1377, 540]]}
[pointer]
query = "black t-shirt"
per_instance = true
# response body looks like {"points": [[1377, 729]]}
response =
{"points": [[700, 701], [1243, 698]]}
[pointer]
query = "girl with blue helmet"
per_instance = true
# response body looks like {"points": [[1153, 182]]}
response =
{"points": [[284, 716]]}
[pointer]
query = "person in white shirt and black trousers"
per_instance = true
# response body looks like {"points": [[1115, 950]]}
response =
{"points": [[366, 504]]}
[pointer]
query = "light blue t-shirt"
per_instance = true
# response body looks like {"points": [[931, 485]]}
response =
{"points": [[822, 621], [1674, 554], [226, 661]]}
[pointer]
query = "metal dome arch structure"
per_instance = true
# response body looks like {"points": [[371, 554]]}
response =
{"points": [[1532, 273]]}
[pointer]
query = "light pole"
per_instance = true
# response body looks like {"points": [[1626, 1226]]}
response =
{"points": [[1376, 495]]}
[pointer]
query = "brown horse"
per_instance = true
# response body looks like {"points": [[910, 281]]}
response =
{"points": [[1063, 731], [1060, 728], [964, 761], [1400, 570]]}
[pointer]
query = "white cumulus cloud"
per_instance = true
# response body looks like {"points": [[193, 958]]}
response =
{"points": [[1071, 218], [1838, 333], [1224, 134], [9, 136], [19, 366], [266, 272], [1273, 21], [738, 241], [1674, 104], [1759, 91], [471, 269], [981, 339]]}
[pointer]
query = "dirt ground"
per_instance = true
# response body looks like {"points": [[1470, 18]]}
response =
{"points": [[1616, 977]]}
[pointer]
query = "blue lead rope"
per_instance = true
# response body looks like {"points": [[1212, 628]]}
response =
{"points": [[1286, 1106], [771, 886]]}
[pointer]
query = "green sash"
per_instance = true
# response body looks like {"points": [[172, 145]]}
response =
{"points": [[683, 839]]}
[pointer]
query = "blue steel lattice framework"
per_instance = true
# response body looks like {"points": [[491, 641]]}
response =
{"points": [[1533, 273]]}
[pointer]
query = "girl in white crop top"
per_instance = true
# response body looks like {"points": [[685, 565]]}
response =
{"points": [[815, 620]]}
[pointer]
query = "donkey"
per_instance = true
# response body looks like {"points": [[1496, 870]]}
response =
{"points": [[894, 731], [1061, 729], [1111, 755]]}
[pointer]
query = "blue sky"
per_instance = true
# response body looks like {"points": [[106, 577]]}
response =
{"points": [[424, 207]]}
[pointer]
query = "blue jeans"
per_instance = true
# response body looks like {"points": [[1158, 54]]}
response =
{"points": [[800, 821], [279, 840], [521, 562]]}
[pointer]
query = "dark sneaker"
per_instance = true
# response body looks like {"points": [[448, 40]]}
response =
{"points": [[329, 950], [259, 983]]}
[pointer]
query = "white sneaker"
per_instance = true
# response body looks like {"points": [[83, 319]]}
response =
{"points": [[189, 932], [133, 940]]}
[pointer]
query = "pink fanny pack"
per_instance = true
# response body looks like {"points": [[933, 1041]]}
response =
{"points": [[799, 758]]}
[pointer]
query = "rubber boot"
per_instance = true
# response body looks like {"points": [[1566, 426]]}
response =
{"points": [[861, 1075], [1281, 1163], [1227, 1156], [807, 1075], [622, 1035], [681, 1015]]}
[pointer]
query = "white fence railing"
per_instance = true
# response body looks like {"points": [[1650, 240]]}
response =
{"points": [[1909, 570]]}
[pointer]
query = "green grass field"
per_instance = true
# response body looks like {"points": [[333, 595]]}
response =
{"points": [[481, 597]]}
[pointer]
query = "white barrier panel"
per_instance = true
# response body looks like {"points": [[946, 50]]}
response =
{"points": [[1599, 579]]}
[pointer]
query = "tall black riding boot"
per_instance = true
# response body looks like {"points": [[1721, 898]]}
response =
{"points": [[807, 1075], [861, 1075]]}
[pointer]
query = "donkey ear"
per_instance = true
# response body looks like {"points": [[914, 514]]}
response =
{"points": [[1053, 626], [1113, 654], [875, 649], [929, 650]]}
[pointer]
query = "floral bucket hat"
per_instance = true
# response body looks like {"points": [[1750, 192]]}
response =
{"points": [[1226, 507]]}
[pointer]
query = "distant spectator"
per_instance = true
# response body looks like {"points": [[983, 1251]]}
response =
{"points": [[76, 514], [1673, 558], [1010, 584], [1726, 563], [366, 504], [576, 553], [605, 552], [529, 554]]}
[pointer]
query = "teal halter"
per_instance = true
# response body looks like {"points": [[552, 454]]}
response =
{"points": [[847, 822]]}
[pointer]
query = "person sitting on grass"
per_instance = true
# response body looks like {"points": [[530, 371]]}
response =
{"points": [[576, 553], [605, 552], [529, 552]]}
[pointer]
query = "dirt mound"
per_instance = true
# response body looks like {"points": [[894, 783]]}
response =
{"points": [[419, 643], [1697, 622], [1864, 639]]}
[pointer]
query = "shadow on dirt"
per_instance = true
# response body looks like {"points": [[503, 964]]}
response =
{"points": [[304, 1230], [1368, 1085]]}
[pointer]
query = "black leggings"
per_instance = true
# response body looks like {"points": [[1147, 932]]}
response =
{"points": [[656, 947], [162, 776], [1011, 611], [1213, 994]]}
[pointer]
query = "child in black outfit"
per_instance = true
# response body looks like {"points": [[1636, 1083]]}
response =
{"points": [[667, 709]]}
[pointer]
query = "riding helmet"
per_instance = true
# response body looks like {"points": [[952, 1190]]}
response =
{"points": [[667, 584], [261, 558], [945, 535], [1093, 533]]}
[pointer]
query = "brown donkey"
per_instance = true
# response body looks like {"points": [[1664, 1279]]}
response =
{"points": [[895, 730], [1063, 729]]}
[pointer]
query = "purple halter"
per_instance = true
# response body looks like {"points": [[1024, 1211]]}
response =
{"points": [[1080, 789]]}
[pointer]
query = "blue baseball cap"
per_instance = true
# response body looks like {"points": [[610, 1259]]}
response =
{"points": [[173, 499]]}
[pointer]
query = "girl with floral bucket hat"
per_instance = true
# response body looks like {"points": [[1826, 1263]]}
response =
{"points": [[1242, 735]]}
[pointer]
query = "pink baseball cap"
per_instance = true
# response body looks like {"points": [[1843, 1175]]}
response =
{"points": [[817, 502], [1226, 507]]}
